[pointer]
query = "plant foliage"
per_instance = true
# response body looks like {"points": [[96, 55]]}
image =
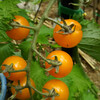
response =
{"points": [[8, 9], [80, 87], [91, 39]]}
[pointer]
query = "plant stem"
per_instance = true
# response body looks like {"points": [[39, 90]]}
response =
{"points": [[12, 97], [17, 71], [45, 94], [41, 55], [33, 48], [18, 89], [43, 18], [76, 55], [33, 45], [30, 93], [49, 61], [63, 26], [38, 9], [19, 25]]}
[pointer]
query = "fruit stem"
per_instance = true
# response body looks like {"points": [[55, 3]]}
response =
{"points": [[45, 94], [49, 61], [12, 97], [30, 93], [16, 71], [63, 26], [16, 24]]}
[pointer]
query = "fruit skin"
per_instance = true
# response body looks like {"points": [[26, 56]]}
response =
{"points": [[68, 40], [65, 68], [24, 93], [18, 64], [19, 33], [60, 88]]}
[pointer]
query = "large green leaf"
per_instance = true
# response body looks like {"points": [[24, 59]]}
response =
{"points": [[88, 96], [91, 40], [80, 84], [8, 9], [77, 82], [6, 50], [39, 77]]}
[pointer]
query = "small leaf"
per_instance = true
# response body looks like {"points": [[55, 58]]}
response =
{"points": [[4, 37], [25, 46], [44, 34], [6, 50]]}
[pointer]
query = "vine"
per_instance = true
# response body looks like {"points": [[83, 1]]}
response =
{"points": [[55, 62]]}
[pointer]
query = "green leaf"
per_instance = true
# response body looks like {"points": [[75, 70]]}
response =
{"points": [[4, 37], [18, 53], [24, 47], [44, 34], [55, 45], [8, 9], [6, 50], [90, 42], [88, 96], [77, 82], [80, 84], [39, 77]]}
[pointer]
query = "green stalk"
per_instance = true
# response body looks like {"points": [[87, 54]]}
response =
{"points": [[33, 45]]}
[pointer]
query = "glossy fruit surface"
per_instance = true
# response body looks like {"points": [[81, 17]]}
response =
{"points": [[24, 93], [19, 33], [18, 64], [66, 61], [60, 88], [68, 40]]}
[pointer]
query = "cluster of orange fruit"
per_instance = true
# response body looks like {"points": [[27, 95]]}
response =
{"points": [[64, 40]]}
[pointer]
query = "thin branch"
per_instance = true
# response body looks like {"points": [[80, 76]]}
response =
{"points": [[49, 61], [66, 27], [16, 24], [38, 9], [30, 93], [14, 71], [45, 94], [3, 42], [39, 54], [17, 71], [18, 89], [12, 97]]}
